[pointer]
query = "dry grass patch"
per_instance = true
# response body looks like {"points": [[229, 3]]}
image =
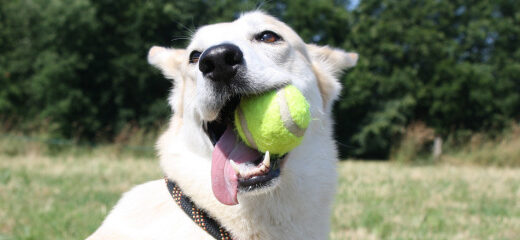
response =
{"points": [[503, 151]]}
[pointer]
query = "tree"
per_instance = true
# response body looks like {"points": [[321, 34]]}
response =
{"points": [[453, 65], [82, 64], [430, 61]]}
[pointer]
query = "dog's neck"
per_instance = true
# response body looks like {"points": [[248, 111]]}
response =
{"points": [[299, 206]]}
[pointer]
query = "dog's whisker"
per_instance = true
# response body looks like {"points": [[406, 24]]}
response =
{"points": [[180, 38]]}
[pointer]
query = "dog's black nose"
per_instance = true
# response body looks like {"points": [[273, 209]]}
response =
{"points": [[220, 62]]}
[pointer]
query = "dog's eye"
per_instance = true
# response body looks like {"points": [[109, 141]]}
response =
{"points": [[268, 37], [194, 56]]}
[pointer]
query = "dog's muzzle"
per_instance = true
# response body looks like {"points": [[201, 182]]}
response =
{"points": [[235, 166]]}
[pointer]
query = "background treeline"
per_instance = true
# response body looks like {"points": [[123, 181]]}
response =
{"points": [[78, 67]]}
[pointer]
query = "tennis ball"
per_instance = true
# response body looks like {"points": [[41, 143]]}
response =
{"points": [[274, 121]]}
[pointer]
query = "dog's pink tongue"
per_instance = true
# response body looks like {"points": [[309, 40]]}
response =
{"points": [[224, 180]]}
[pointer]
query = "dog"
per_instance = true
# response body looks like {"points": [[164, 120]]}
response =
{"points": [[291, 200]]}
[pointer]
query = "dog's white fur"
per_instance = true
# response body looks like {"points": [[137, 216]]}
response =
{"points": [[299, 206]]}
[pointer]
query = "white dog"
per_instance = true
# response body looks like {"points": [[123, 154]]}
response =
{"points": [[292, 199]]}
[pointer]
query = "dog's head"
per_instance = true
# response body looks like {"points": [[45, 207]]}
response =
{"points": [[227, 61]]}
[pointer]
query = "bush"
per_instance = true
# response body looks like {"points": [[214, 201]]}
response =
{"points": [[415, 144]]}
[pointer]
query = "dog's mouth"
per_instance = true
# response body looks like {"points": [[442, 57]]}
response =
{"points": [[235, 166]]}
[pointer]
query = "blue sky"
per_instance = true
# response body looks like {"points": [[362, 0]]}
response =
{"points": [[353, 4]]}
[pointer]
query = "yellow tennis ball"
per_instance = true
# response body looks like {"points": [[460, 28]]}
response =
{"points": [[274, 121]]}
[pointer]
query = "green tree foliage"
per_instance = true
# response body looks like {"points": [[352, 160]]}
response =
{"points": [[450, 64], [81, 65]]}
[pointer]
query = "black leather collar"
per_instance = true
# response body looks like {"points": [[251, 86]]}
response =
{"points": [[199, 216]]}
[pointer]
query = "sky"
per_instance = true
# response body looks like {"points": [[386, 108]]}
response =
{"points": [[353, 4]]}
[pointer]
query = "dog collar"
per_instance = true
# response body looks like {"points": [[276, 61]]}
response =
{"points": [[199, 216]]}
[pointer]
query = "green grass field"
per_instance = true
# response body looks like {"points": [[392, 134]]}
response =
{"points": [[67, 197]]}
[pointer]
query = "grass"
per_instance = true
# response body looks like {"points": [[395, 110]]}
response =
{"points": [[66, 196], [394, 201]]}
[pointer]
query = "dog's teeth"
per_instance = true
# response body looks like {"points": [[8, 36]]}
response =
{"points": [[235, 167], [267, 160], [252, 172], [262, 169]]}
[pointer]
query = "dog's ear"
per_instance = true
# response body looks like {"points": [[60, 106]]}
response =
{"points": [[328, 63], [168, 60], [335, 60], [171, 62]]}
